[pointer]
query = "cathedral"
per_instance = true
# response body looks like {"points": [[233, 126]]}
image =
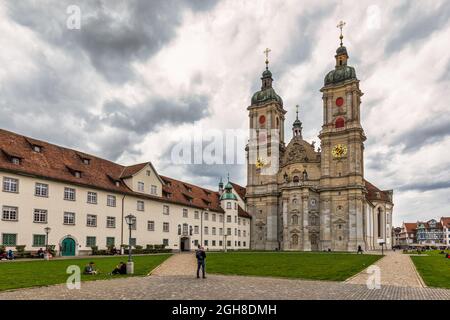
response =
{"points": [[317, 198]]}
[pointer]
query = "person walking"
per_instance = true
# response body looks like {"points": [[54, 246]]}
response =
{"points": [[201, 256], [360, 250]]}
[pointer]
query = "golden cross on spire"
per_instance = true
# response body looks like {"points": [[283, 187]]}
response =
{"points": [[267, 57], [296, 106], [341, 25]]}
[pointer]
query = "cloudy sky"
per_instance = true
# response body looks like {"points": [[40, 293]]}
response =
{"points": [[138, 76]]}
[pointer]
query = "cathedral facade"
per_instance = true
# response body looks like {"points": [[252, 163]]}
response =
{"points": [[318, 198]]}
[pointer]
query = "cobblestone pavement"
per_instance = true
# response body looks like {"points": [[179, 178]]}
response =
{"points": [[181, 264], [217, 287], [396, 269]]}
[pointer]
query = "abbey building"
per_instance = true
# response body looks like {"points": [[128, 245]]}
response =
{"points": [[318, 197]]}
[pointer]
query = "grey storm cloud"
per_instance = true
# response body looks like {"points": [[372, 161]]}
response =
{"points": [[145, 117], [421, 24], [111, 44], [425, 186]]}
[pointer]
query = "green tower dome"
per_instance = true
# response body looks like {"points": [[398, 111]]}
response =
{"points": [[228, 194]]}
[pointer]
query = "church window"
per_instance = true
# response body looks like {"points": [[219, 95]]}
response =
{"points": [[278, 122], [340, 238], [294, 219], [296, 179], [340, 122], [379, 222], [340, 226]]}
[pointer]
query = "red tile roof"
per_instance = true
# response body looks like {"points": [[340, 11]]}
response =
{"points": [[410, 227], [445, 221], [373, 192], [243, 213], [241, 191], [56, 163]]}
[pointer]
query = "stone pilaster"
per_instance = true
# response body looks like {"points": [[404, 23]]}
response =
{"points": [[305, 209]]}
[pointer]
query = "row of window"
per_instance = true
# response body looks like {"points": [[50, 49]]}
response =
{"points": [[213, 243], [153, 188], [196, 230], [42, 190]]}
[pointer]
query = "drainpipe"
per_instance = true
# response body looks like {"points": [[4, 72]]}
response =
{"points": [[121, 223]]}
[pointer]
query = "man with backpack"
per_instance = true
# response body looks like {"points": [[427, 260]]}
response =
{"points": [[201, 256]]}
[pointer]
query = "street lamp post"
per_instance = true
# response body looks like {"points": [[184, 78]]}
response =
{"points": [[130, 219], [46, 254]]}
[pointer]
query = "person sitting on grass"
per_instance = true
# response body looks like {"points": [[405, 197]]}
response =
{"points": [[121, 268], [90, 268]]}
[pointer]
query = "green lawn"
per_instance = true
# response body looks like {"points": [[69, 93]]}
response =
{"points": [[317, 266], [434, 269], [22, 274]]}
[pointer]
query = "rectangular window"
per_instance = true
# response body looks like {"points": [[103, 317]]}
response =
{"points": [[165, 227], [10, 213], [228, 243], [41, 190], [205, 216], [38, 240], [141, 186], [243, 222], [239, 233], [10, 185], [91, 241], [140, 205], [40, 216], [110, 222], [165, 210], [239, 221], [229, 218], [110, 200], [235, 231], [228, 205], [228, 231], [91, 220], [220, 243], [195, 229], [133, 242], [69, 218], [245, 233], [235, 219], [196, 215], [206, 242], [9, 239], [220, 232], [110, 241], [221, 218], [213, 231], [92, 197], [185, 213], [244, 244], [213, 217], [69, 194], [148, 173], [166, 242], [206, 230], [153, 190], [214, 243], [134, 224], [195, 242], [151, 225]]}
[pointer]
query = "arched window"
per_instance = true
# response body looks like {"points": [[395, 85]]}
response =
{"points": [[295, 219], [379, 222], [294, 239], [313, 220], [340, 122], [296, 179]]}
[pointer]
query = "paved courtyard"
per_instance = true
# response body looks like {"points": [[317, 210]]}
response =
{"points": [[175, 279]]}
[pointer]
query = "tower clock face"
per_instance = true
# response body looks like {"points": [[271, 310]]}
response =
{"points": [[339, 150], [262, 119], [339, 101]]}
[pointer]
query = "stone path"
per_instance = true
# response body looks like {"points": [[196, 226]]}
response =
{"points": [[217, 287], [182, 264], [396, 269]]}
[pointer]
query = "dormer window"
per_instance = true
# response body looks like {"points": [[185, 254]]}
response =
{"points": [[117, 183], [37, 148], [77, 174], [378, 195], [15, 160], [148, 173], [86, 161]]}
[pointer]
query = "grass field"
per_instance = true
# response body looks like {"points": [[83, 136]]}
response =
{"points": [[22, 274], [434, 269], [317, 266]]}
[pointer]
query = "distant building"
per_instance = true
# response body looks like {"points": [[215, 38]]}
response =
{"points": [[429, 232], [396, 236], [408, 234], [445, 223]]}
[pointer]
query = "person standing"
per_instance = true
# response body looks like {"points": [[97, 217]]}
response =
{"points": [[201, 257], [360, 250]]}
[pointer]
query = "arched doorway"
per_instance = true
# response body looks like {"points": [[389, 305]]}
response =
{"points": [[185, 244], [68, 247]]}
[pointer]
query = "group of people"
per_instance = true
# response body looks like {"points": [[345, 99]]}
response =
{"points": [[90, 269], [8, 255]]}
